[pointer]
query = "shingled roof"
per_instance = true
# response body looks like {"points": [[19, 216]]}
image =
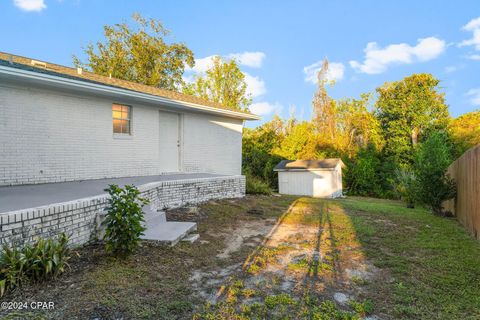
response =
{"points": [[308, 164], [33, 65]]}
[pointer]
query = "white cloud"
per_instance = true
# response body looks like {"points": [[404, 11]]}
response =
{"points": [[188, 78], [335, 72], [474, 95], [474, 27], [249, 59], [202, 64], [474, 57], [255, 85], [264, 108], [30, 5], [377, 59]]}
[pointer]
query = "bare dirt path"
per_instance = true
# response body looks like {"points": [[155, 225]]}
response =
{"points": [[308, 252]]}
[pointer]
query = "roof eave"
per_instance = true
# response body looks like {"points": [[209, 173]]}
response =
{"points": [[100, 88]]}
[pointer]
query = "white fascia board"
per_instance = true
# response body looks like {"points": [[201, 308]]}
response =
{"points": [[106, 89]]}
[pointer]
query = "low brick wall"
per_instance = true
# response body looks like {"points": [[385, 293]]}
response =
{"points": [[80, 218]]}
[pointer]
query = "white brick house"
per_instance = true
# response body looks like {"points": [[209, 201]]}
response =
{"points": [[64, 124]]}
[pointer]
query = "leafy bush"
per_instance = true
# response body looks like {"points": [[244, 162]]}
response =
{"points": [[258, 157], [362, 174], [124, 219], [431, 162], [255, 185], [44, 259]]}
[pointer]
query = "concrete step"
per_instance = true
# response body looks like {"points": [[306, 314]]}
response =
{"points": [[169, 233], [149, 214], [192, 237]]}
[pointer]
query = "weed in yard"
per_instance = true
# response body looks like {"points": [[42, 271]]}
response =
{"points": [[233, 291], [264, 256], [301, 264], [248, 293], [359, 281], [362, 308]]}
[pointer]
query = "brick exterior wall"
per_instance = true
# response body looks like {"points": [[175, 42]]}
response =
{"points": [[79, 219], [53, 136], [201, 134]]}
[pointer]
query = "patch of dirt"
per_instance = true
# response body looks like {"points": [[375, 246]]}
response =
{"points": [[189, 213], [249, 233]]}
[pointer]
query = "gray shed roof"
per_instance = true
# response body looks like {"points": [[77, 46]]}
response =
{"points": [[308, 164]]}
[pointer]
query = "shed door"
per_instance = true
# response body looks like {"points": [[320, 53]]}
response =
{"points": [[320, 187], [170, 144]]}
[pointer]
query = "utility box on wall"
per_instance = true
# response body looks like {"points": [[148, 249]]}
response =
{"points": [[314, 178]]}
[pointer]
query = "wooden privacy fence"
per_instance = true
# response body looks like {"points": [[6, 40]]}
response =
{"points": [[466, 207]]}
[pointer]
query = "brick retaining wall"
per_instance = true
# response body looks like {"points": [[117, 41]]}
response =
{"points": [[79, 218]]}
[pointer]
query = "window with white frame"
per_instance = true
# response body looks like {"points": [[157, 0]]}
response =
{"points": [[121, 115]]}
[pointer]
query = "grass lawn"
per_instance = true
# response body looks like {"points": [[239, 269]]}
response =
{"points": [[280, 258]]}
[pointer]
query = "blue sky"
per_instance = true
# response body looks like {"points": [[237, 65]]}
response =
{"points": [[279, 42]]}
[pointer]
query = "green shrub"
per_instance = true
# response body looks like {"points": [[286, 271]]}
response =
{"points": [[255, 185], [257, 152], [362, 174], [124, 219], [43, 260], [431, 162], [406, 187]]}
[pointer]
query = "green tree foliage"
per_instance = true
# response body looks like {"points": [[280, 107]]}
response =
{"points": [[362, 173], [356, 125], [124, 219], [224, 83], [407, 111], [378, 142], [465, 131], [431, 162], [343, 126], [140, 54], [300, 142], [257, 148]]}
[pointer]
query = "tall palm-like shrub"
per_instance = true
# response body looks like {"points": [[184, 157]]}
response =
{"points": [[406, 186]]}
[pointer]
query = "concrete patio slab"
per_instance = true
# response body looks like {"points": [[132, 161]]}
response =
{"points": [[30, 196], [170, 232]]}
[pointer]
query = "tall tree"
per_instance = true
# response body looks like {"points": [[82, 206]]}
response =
{"points": [[140, 54], [408, 110], [356, 125], [224, 83], [323, 105], [465, 131]]}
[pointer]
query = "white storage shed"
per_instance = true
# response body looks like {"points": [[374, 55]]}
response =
{"points": [[314, 178]]}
